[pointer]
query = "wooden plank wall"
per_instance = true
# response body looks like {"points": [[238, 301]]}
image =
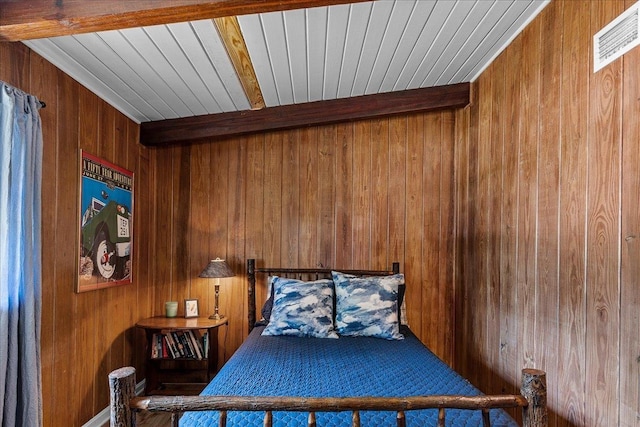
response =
{"points": [[84, 336], [361, 195], [548, 220]]}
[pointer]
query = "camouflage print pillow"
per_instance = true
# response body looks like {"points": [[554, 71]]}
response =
{"points": [[303, 309], [367, 306]]}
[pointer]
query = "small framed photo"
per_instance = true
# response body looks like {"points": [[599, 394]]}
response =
{"points": [[191, 308]]}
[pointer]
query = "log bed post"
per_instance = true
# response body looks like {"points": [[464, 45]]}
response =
{"points": [[122, 387], [251, 292], [534, 389]]}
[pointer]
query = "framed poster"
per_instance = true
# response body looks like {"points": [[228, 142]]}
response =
{"points": [[106, 224]]}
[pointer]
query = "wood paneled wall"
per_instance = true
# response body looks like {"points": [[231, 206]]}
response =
{"points": [[549, 221], [358, 195], [84, 336]]}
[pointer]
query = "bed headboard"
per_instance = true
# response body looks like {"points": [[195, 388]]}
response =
{"points": [[299, 273]]}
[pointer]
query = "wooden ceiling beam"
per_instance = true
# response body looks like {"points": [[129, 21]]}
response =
{"points": [[34, 19], [231, 36], [214, 126]]}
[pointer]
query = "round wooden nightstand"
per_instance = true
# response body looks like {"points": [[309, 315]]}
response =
{"points": [[179, 351]]}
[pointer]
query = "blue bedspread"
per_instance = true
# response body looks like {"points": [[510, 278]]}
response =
{"points": [[348, 366]]}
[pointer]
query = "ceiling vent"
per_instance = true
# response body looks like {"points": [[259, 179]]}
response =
{"points": [[617, 38]]}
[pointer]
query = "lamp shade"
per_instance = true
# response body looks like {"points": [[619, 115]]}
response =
{"points": [[217, 268]]}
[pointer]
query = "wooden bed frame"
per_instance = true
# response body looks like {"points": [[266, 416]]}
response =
{"points": [[124, 404]]}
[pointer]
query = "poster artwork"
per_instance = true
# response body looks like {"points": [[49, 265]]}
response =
{"points": [[106, 220]]}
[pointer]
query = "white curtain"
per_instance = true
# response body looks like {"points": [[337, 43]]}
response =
{"points": [[20, 258]]}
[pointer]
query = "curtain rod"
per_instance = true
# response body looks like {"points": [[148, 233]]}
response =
{"points": [[42, 103]]}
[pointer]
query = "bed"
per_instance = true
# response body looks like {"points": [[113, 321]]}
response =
{"points": [[293, 372]]}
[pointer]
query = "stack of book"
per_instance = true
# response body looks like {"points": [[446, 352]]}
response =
{"points": [[189, 344]]}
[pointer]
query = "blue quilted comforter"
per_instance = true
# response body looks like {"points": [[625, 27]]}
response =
{"points": [[348, 366]]}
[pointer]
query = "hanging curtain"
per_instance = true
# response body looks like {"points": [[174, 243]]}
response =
{"points": [[20, 258]]}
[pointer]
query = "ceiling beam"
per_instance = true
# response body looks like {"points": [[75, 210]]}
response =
{"points": [[213, 126], [231, 35], [34, 19]]}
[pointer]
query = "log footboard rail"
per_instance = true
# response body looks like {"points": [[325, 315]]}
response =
{"points": [[124, 404]]}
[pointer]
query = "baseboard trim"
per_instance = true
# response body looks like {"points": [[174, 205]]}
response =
{"points": [[102, 418]]}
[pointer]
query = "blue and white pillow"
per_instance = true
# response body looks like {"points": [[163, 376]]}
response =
{"points": [[367, 306], [303, 309]]}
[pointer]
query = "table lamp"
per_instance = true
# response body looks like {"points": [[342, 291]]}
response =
{"points": [[217, 269]]}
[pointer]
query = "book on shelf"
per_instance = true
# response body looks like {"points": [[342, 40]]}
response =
{"points": [[163, 345], [188, 352], [195, 343], [156, 346], [154, 350], [205, 344], [180, 344], [170, 346], [188, 336]]}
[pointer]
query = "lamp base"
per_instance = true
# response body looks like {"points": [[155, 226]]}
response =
{"points": [[216, 316]]}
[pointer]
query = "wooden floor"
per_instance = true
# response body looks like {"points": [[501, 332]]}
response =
{"points": [[147, 419]]}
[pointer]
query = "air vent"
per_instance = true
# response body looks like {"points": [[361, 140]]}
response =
{"points": [[619, 37]]}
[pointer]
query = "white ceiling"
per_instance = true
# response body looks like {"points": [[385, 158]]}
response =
{"points": [[181, 70]]}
